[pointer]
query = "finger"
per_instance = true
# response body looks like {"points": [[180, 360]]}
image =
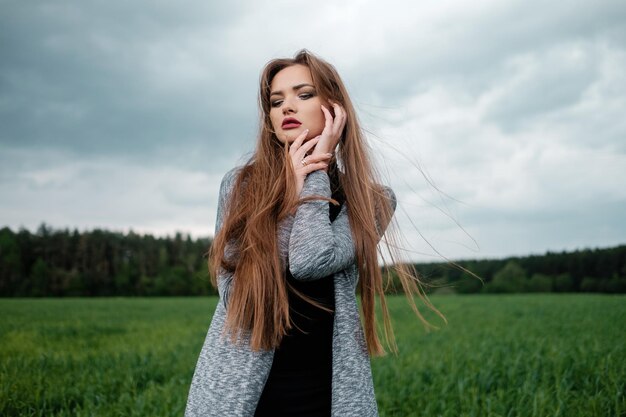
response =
{"points": [[340, 117], [344, 119], [298, 142], [329, 119], [337, 107], [342, 111], [312, 160], [299, 154], [314, 167], [322, 157]]}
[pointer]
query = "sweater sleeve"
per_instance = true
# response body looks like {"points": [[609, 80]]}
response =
{"points": [[225, 278], [317, 246]]}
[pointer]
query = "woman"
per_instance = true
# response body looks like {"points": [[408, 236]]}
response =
{"points": [[297, 232]]}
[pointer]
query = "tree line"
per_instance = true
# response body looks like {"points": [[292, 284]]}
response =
{"points": [[600, 270], [55, 263], [59, 263]]}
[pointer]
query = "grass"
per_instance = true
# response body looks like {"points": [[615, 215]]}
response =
{"points": [[506, 355]]}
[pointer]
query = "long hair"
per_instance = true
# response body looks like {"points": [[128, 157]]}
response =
{"points": [[264, 194]]}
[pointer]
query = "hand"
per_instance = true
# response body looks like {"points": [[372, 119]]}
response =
{"points": [[333, 130], [298, 152]]}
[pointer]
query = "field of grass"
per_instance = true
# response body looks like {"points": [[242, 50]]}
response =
{"points": [[505, 355]]}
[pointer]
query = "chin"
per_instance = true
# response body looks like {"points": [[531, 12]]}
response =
{"points": [[291, 134]]}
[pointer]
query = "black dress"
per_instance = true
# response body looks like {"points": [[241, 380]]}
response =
{"points": [[300, 380]]}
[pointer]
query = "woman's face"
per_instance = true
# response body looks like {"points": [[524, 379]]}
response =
{"points": [[293, 96]]}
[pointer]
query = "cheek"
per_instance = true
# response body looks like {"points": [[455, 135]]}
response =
{"points": [[318, 123], [275, 125], [273, 118]]}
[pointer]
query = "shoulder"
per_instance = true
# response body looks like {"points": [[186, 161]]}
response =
{"points": [[231, 175], [389, 194], [228, 180], [381, 193]]}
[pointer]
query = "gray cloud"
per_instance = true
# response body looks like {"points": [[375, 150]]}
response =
{"points": [[117, 79], [126, 115]]}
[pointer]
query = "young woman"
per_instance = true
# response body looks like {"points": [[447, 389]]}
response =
{"points": [[297, 234]]}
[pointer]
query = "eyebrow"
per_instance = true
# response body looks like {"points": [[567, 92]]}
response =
{"points": [[295, 87]]}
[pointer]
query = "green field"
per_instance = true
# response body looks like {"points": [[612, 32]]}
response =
{"points": [[506, 355]]}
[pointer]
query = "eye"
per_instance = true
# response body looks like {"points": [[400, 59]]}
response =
{"points": [[275, 103], [306, 96]]}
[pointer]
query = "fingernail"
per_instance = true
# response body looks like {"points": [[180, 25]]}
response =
{"points": [[329, 154], [306, 130]]}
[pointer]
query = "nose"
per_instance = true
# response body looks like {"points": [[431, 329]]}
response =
{"points": [[288, 106]]}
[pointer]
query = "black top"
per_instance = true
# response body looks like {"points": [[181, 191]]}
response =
{"points": [[299, 383]]}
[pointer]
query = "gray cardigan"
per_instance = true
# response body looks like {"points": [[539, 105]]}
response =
{"points": [[228, 379]]}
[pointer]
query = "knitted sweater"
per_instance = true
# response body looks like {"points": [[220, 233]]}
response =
{"points": [[229, 378]]}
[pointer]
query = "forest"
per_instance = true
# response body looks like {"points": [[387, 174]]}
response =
{"points": [[63, 263]]}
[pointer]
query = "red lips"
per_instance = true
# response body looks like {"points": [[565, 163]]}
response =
{"points": [[290, 122]]}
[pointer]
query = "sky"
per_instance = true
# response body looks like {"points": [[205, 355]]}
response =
{"points": [[499, 124]]}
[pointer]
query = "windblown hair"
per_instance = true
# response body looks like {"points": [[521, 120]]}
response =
{"points": [[264, 193]]}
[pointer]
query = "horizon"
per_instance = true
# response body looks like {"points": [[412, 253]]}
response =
{"points": [[184, 236]]}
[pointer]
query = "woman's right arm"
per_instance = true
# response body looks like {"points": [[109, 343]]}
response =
{"points": [[224, 278]]}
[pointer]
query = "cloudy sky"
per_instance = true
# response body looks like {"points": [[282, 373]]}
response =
{"points": [[499, 124]]}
